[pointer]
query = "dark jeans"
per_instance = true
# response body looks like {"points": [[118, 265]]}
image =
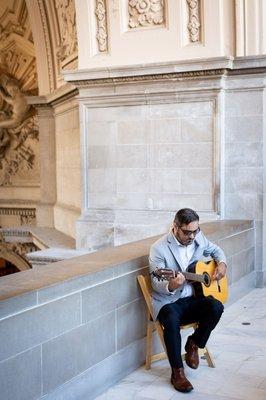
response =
{"points": [[205, 310]]}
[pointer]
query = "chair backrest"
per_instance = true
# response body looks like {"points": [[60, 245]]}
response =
{"points": [[145, 285]]}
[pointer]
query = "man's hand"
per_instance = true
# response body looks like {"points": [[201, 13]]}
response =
{"points": [[176, 282], [220, 271]]}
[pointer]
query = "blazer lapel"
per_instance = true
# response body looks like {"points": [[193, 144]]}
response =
{"points": [[173, 246], [197, 255]]}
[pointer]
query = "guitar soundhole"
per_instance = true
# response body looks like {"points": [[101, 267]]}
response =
{"points": [[207, 279]]}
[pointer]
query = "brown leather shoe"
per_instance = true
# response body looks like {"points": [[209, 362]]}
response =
{"points": [[179, 380], [192, 354]]}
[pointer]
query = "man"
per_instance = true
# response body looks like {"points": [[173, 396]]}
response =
{"points": [[173, 301]]}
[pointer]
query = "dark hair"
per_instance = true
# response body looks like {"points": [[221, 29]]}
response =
{"points": [[185, 216]]}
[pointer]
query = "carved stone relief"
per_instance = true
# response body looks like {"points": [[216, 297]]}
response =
{"points": [[17, 55], [102, 35], [18, 134], [10, 254], [26, 216], [145, 13], [194, 24], [66, 14]]}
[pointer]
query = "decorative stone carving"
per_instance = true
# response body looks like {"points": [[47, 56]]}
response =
{"points": [[17, 55], [27, 216], [18, 131], [67, 24], [13, 257], [145, 13], [153, 77], [194, 20], [102, 35]]}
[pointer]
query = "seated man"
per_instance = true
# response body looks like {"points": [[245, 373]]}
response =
{"points": [[173, 300]]}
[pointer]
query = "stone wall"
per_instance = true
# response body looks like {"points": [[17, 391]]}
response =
{"points": [[71, 329]]}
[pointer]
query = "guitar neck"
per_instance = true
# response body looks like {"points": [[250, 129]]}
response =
{"points": [[193, 277]]}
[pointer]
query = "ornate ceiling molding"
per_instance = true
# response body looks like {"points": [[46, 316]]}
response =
{"points": [[102, 32], [17, 54], [194, 23], [145, 13]]}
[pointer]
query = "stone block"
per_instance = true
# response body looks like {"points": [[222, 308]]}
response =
{"points": [[166, 180], [73, 352], [102, 201], [131, 156], [186, 109], [17, 304], [239, 206], [134, 132], [133, 180], [197, 181], [102, 156], [175, 201], [197, 130], [242, 264], [70, 286], [102, 133], [20, 376], [132, 201], [244, 180], [127, 289], [32, 327], [166, 131], [238, 155], [96, 302], [179, 155], [131, 323], [104, 374], [237, 243], [243, 129], [102, 180], [125, 233], [243, 103]]}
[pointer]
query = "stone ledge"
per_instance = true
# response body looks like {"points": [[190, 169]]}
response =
{"points": [[110, 260]]}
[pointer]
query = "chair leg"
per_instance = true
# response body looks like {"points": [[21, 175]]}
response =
{"points": [[209, 358], [149, 345]]}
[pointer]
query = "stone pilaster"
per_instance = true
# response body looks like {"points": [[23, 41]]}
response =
{"points": [[45, 212]]}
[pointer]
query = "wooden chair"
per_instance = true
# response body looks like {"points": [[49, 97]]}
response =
{"points": [[145, 285]]}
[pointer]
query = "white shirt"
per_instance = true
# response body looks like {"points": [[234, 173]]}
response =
{"points": [[186, 253]]}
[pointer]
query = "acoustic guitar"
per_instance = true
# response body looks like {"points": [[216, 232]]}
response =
{"points": [[200, 274]]}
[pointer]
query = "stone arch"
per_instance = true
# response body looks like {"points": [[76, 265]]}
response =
{"points": [[18, 261], [53, 24]]}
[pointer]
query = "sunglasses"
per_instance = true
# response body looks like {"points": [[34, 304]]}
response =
{"points": [[189, 233]]}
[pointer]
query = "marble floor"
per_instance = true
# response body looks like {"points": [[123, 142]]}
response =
{"points": [[238, 346]]}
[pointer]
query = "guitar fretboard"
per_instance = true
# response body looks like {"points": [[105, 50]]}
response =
{"points": [[193, 277]]}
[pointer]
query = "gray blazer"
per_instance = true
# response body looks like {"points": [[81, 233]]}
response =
{"points": [[164, 253]]}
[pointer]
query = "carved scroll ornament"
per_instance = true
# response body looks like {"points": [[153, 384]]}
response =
{"points": [[194, 20], [102, 36], [145, 12]]}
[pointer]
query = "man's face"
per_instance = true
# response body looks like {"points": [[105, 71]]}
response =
{"points": [[185, 234]]}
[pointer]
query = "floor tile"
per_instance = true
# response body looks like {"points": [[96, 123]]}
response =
{"points": [[238, 349]]}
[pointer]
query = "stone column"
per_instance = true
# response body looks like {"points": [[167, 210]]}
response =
{"points": [[45, 211]]}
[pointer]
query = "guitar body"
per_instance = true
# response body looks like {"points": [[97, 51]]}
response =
{"points": [[217, 289]]}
